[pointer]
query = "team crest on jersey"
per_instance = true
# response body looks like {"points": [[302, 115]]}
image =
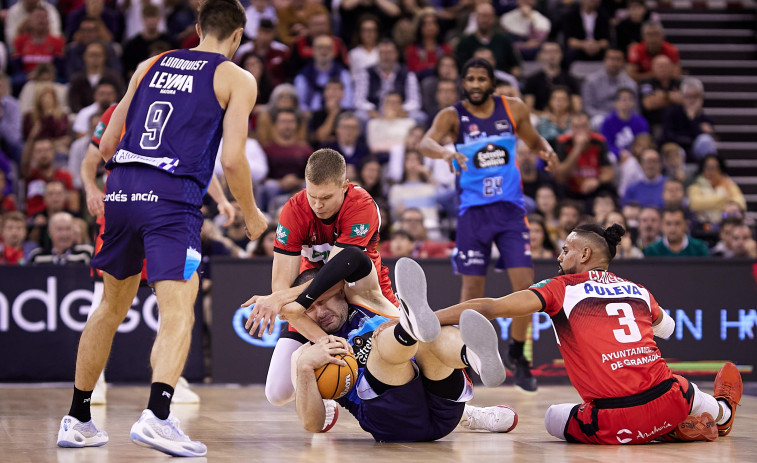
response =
{"points": [[491, 155], [99, 130], [502, 125], [360, 229], [282, 234], [473, 130], [541, 283]]}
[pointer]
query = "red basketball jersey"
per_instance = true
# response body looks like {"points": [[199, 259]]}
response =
{"points": [[603, 326], [357, 223]]}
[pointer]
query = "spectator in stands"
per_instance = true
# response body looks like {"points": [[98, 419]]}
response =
{"points": [[256, 159], [546, 206], [17, 15], [674, 194], [488, 55], [137, 48], [7, 198], [555, 120], [283, 97], [723, 248], [446, 95], [312, 79], [659, 93], [181, 17], [625, 249], [82, 86], [712, 189], [650, 227], [587, 32], [568, 216], [273, 53], [743, 244], [322, 124], [349, 140], [429, 46], [373, 84], [133, 18], [264, 245], [401, 245], [55, 201], [601, 87], [628, 30], [641, 55], [487, 37], [211, 244], [446, 69], [540, 84], [91, 30], [541, 244], [35, 46], [623, 125], [106, 94], [48, 119], [78, 151], [62, 249], [687, 125], [674, 162], [256, 12], [628, 167], [14, 248], [301, 53], [584, 165], [648, 192], [527, 28], [531, 176], [390, 129], [675, 240], [603, 204], [255, 65], [287, 156], [350, 12], [370, 178], [37, 169], [10, 121], [364, 53], [43, 75], [395, 169], [413, 221], [415, 191], [111, 17]]}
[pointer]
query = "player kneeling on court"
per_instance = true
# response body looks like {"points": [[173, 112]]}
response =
{"points": [[410, 385], [605, 328]]}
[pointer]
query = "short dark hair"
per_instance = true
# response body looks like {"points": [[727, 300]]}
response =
{"points": [[622, 90], [673, 209], [305, 276], [479, 63], [404, 233], [326, 166], [718, 158], [221, 18]]}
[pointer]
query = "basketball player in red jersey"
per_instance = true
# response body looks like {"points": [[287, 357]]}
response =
{"points": [[605, 327]]}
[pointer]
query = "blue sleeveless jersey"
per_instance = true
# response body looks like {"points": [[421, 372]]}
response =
{"points": [[174, 122], [490, 146], [358, 331]]}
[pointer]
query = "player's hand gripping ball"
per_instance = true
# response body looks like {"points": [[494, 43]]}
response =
{"points": [[335, 381]]}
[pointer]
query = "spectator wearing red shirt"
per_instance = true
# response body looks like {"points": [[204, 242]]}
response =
{"points": [[302, 48], [38, 45], [287, 157], [273, 53], [428, 47], [640, 55], [7, 200], [12, 243], [38, 169], [584, 164]]}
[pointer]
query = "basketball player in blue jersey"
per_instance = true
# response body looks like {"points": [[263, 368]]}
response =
{"points": [[160, 147], [485, 129]]}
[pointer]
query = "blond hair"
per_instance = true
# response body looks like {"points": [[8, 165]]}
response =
{"points": [[326, 166]]}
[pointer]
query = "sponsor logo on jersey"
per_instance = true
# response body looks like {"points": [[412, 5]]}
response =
{"points": [[473, 130], [99, 130], [502, 126], [282, 234], [360, 229], [624, 432], [541, 283], [169, 83], [491, 155]]}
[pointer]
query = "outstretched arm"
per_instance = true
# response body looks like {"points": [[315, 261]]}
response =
{"points": [[516, 304]]}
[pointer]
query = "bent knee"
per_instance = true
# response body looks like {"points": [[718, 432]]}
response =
{"points": [[556, 419]]}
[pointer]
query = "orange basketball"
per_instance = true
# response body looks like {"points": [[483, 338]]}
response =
{"points": [[335, 381]]}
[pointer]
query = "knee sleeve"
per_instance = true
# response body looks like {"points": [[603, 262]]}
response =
{"points": [[278, 384], [557, 418]]}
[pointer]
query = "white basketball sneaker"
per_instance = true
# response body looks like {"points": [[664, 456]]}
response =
{"points": [[74, 433], [416, 317], [500, 418], [182, 394], [165, 436], [482, 344], [100, 392], [332, 414]]}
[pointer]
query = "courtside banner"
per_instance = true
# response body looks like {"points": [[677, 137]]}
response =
{"points": [[714, 304], [42, 313]]}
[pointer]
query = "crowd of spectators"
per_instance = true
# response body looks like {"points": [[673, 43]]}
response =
{"points": [[367, 77]]}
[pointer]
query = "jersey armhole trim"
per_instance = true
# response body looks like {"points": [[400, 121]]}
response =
{"points": [[509, 114], [541, 298], [285, 252]]}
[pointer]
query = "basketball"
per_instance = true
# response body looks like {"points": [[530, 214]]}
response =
{"points": [[335, 381]]}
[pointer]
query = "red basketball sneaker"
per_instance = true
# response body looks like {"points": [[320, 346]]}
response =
{"points": [[728, 387], [694, 428]]}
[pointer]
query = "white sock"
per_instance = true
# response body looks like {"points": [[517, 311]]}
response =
{"points": [[726, 412], [473, 360]]}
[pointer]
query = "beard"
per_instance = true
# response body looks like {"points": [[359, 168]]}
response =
{"points": [[564, 271], [487, 94]]}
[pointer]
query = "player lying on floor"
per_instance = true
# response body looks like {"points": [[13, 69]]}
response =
{"points": [[605, 327], [410, 384]]}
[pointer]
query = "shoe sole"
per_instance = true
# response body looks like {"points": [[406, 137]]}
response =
{"points": [[143, 442], [76, 445], [479, 335], [697, 428], [724, 430], [411, 286]]}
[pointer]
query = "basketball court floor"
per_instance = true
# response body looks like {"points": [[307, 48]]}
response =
{"points": [[237, 424]]}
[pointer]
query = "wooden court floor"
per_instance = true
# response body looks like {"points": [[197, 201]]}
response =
{"points": [[237, 424]]}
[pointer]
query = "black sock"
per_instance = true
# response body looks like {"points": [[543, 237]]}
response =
{"points": [[464, 355], [80, 405], [402, 336], [516, 349], [160, 400]]}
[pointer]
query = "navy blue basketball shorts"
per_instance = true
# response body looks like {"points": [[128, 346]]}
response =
{"points": [[503, 224], [154, 215]]}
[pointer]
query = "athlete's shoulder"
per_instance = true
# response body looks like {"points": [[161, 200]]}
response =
{"points": [[298, 206]]}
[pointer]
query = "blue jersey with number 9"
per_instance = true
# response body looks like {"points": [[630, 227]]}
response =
{"points": [[174, 122], [490, 146]]}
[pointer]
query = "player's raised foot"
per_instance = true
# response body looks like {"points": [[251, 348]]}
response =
{"points": [[332, 414], [499, 418], [182, 394], [695, 428], [165, 436], [521, 369], [728, 388], [99, 393], [482, 347], [416, 317], [74, 433]]}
